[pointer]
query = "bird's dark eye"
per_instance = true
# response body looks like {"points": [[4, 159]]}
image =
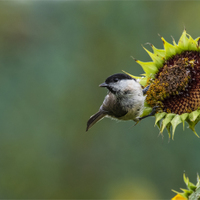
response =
{"points": [[116, 79]]}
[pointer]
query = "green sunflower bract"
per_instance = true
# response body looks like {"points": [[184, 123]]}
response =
{"points": [[174, 78], [192, 192]]}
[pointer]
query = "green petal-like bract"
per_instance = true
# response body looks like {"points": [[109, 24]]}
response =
{"points": [[193, 191]]}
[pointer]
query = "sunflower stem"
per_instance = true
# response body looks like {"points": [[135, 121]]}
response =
{"points": [[195, 195]]}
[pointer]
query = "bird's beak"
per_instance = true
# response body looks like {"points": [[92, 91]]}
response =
{"points": [[103, 85]]}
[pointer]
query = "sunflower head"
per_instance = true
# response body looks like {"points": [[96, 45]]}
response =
{"points": [[174, 79], [192, 191]]}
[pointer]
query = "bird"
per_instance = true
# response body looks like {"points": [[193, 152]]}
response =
{"points": [[124, 101]]}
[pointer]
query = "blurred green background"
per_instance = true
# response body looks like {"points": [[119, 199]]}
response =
{"points": [[53, 56]]}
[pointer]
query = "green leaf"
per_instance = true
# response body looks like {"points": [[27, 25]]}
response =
{"points": [[183, 118], [158, 125], [146, 111], [192, 126], [183, 42], [168, 129], [175, 122], [159, 116], [192, 44], [159, 52], [193, 115], [142, 80], [148, 67], [197, 42], [167, 120], [169, 48], [156, 59], [187, 193]]}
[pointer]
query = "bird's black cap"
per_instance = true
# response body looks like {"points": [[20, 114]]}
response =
{"points": [[117, 77]]}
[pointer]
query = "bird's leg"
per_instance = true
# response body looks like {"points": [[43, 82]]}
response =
{"points": [[153, 112], [145, 89]]}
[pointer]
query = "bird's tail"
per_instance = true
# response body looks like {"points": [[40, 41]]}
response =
{"points": [[94, 118]]}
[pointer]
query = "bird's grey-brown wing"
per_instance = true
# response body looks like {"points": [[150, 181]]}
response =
{"points": [[112, 107]]}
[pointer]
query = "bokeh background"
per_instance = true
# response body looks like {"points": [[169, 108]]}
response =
{"points": [[53, 56]]}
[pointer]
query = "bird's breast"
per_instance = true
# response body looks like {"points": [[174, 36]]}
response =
{"points": [[134, 107]]}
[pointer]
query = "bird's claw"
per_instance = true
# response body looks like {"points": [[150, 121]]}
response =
{"points": [[153, 112]]}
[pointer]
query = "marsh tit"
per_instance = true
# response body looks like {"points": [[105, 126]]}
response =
{"points": [[124, 101]]}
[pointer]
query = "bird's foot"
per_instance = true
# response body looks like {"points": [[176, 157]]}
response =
{"points": [[153, 112]]}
